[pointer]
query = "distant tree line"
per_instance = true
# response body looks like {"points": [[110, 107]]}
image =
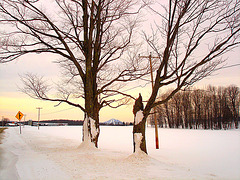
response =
{"points": [[209, 108], [70, 122], [111, 124], [4, 121]]}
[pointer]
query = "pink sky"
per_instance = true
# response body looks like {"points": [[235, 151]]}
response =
{"points": [[12, 100]]}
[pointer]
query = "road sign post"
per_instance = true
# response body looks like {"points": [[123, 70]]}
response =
{"points": [[20, 128], [19, 116]]}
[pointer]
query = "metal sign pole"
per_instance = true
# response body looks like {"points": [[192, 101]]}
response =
{"points": [[19, 116], [20, 127]]}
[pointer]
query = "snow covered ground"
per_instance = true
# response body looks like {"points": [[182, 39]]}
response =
{"points": [[54, 153]]}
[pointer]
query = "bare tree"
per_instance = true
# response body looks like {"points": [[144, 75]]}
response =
{"points": [[194, 35], [177, 101], [187, 109], [214, 105], [166, 110], [206, 110], [90, 38], [234, 99], [211, 108], [197, 97]]}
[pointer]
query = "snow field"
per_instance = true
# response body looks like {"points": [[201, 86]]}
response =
{"points": [[54, 153]]}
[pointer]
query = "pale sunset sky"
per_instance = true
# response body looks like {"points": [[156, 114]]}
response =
{"points": [[12, 100]]}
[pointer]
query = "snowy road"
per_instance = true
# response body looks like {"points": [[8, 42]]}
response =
{"points": [[54, 153], [19, 160]]}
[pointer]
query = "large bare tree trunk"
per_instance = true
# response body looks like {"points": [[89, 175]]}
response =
{"points": [[91, 128], [90, 131], [139, 140]]}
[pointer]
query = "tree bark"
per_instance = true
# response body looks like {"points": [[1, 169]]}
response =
{"points": [[91, 130], [139, 140], [92, 108]]}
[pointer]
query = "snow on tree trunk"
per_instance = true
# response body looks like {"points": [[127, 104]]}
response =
{"points": [[138, 118], [86, 135], [139, 141], [94, 130], [90, 132]]}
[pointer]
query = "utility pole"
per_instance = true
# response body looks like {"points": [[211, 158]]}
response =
{"points": [[38, 115], [154, 109], [24, 119], [2, 120]]}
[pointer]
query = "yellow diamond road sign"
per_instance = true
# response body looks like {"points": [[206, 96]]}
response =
{"points": [[19, 115]]}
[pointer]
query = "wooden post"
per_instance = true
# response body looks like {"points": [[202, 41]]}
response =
{"points": [[38, 115], [154, 109]]}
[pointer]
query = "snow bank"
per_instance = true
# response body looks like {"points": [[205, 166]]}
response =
{"points": [[87, 146], [7, 165], [52, 153], [24, 162]]}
